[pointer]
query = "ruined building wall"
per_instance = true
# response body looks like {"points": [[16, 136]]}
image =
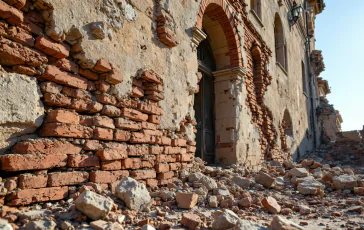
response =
{"points": [[99, 90]]}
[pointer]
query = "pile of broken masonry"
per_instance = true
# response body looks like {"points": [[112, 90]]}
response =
{"points": [[315, 193]]}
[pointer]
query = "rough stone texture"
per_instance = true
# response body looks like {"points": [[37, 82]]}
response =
{"points": [[309, 186], [190, 220], [134, 194], [265, 179], [271, 205], [93, 205], [248, 225], [280, 223], [345, 182], [208, 182], [298, 172], [41, 225], [226, 220], [241, 181], [186, 200], [24, 111]]}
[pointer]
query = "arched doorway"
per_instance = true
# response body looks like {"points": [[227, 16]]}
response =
{"points": [[220, 62], [204, 104]]}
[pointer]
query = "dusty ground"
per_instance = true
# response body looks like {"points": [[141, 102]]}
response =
{"points": [[209, 191]]}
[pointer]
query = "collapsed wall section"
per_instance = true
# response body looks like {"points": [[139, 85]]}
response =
{"points": [[88, 134]]}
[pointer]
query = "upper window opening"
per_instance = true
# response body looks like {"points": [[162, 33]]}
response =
{"points": [[280, 43], [256, 6]]}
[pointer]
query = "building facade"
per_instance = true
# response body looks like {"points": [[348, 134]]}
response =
{"points": [[111, 88]]}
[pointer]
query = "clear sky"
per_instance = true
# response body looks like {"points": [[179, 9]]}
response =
{"points": [[340, 35]]}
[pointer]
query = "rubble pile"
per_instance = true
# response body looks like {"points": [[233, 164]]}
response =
{"points": [[302, 195]]}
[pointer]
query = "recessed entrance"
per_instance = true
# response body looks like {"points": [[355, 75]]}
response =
{"points": [[204, 104]]}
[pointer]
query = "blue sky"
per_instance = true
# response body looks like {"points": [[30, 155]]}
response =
{"points": [[340, 35]]}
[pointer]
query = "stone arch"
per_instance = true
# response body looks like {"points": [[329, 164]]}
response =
{"points": [[216, 20], [287, 123], [280, 42]]}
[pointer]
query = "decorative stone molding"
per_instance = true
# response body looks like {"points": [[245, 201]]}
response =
{"points": [[197, 36], [229, 74], [317, 62]]}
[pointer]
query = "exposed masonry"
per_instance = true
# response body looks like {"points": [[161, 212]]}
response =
{"points": [[88, 134]]}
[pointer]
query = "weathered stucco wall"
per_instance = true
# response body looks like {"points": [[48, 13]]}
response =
{"points": [[133, 44]]}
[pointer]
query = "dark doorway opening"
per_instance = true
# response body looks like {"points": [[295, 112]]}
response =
{"points": [[204, 104]]}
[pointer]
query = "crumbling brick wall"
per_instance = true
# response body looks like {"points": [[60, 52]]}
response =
{"points": [[88, 135]]}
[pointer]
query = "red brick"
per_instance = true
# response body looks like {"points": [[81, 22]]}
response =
{"points": [[165, 158], [153, 95], [166, 181], [193, 143], [31, 27], [27, 181], [111, 111], [106, 99], [92, 145], [52, 73], [151, 77], [16, 162], [162, 168], [12, 53], [174, 166], [111, 165], [67, 65], [52, 99], [52, 48], [16, 3], [16, 34], [122, 135], [179, 142], [26, 70], [89, 74], [154, 119], [91, 86], [128, 103], [81, 105], [143, 174], [77, 93], [148, 164], [62, 116], [137, 92], [50, 87], [133, 114], [66, 130], [149, 108], [28, 196], [166, 175], [131, 163], [140, 138], [152, 182], [163, 141], [102, 86], [123, 123], [187, 157], [108, 176], [80, 161], [102, 66], [153, 86], [86, 120], [46, 146], [147, 125], [95, 107], [113, 77], [103, 134], [155, 149], [112, 154], [137, 82], [172, 150], [67, 178], [11, 14], [114, 145], [156, 133], [102, 121], [191, 149], [137, 150]]}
